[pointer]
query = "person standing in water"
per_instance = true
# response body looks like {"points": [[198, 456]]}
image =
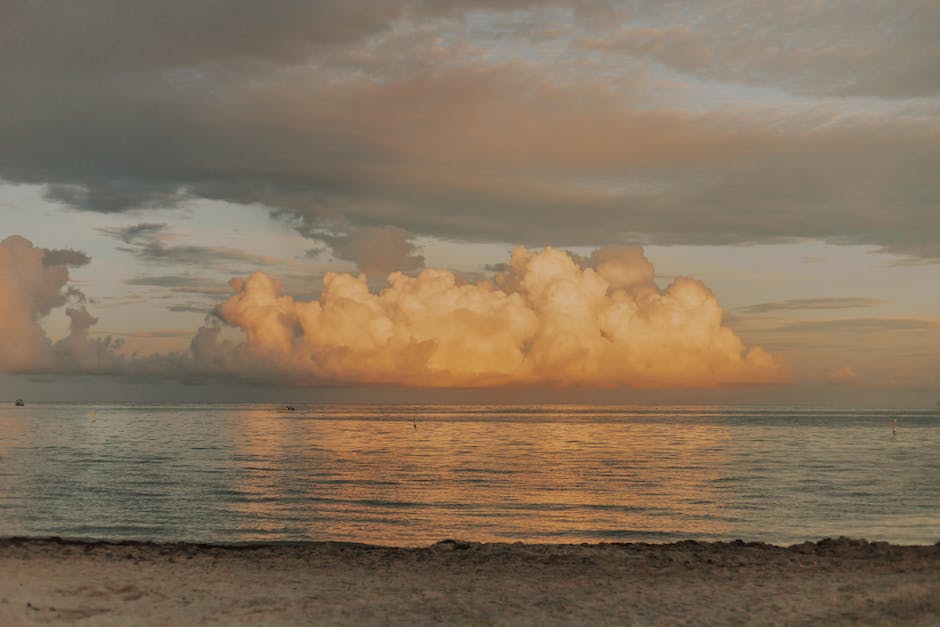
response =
{"points": [[894, 427]]}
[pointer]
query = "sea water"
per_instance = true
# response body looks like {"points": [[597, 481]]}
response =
{"points": [[413, 475]]}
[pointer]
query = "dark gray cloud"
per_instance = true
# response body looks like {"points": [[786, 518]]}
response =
{"points": [[65, 257], [191, 308], [802, 304], [881, 48], [861, 325], [129, 234], [159, 333], [172, 281], [138, 105], [127, 36], [118, 36], [148, 242], [182, 284], [375, 250], [205, 256]]}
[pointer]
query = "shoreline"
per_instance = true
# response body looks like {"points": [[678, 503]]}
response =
{"points": [[828, 545], [841, 581]]}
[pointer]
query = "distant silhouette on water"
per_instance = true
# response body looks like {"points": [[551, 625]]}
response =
{"points": [[415, 422], [894, 427]]}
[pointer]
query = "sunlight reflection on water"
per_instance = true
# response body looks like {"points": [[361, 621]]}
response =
{"points": [[489, 473]]}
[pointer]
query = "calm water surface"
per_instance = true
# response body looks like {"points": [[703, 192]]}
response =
{"points": [[489, 473]]}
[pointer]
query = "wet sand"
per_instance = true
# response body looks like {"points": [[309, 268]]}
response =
{"points": [[45, 581]]}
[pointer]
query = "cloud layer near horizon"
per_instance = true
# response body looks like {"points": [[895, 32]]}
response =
{"points": [[549, 320]]}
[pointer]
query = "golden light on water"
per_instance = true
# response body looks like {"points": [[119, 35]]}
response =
{"points": [[453, 476]]}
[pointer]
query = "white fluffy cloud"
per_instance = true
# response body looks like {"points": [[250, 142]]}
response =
{"points": [[548, 320]]}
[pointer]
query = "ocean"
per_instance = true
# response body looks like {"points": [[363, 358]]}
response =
{"points": [[413, 475]]}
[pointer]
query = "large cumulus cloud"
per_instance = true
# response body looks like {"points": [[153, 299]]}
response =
{"points": [[548, 320]]}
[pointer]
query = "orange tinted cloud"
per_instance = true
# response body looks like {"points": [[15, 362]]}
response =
{"points": [[33, 282], [843, 374], [29, 289], [550, 319]]}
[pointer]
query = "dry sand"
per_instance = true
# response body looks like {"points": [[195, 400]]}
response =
{"points": [[829, 582]]}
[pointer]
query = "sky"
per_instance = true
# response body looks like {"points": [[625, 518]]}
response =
{"points": [[472, 201]]}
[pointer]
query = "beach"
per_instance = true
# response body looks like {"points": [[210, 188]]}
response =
{"points": [[841, 581]]}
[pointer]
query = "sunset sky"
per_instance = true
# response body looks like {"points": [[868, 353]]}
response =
{"points": [[669, 201]]}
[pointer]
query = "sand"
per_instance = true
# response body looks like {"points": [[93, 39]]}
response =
{"points": [[51, 581]]}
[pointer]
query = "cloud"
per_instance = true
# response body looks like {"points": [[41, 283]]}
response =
{"points": [[127, 36], [200, 308], [416, 116], [547, 321], [802, 304], [31, 286], [376, 250], [145, 232], [882, 49], [171, 281], [680, 48], [923, 379], [159, 333], [861, 325], [211, 256], [148, 242], [65, 257], [78, 352], [180, 284], [842, 375], [29, 289]]}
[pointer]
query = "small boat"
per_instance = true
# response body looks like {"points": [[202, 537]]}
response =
{"points": [[19, 402], [286, 408]]}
